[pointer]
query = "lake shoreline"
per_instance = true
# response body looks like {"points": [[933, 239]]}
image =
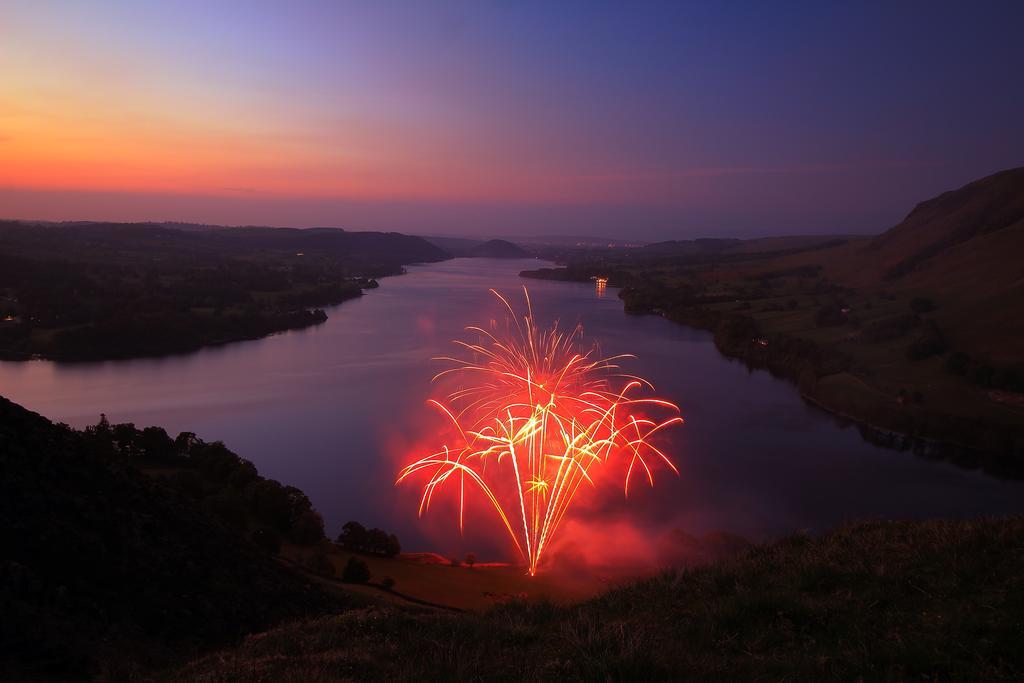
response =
{"points": [[287, 321], [756, 353]]}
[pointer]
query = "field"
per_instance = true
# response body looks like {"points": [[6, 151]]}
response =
{"points": [[433, 581]]}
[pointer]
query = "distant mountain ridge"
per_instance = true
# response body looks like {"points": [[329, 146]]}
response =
{"points": [[392, 247]]}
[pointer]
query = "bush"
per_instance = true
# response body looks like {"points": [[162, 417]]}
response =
{"points": [[387, 583], [356, 571], [307, 528], [352, 536]]}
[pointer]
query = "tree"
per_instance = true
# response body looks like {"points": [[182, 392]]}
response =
{"points": [[245, 473], [356, 571], [215, 461], [155, 443], [392, 547], [269, 503], [352, 536], [124, 436], [307, 528], [376, 541], [470, 559], [186, 442]]}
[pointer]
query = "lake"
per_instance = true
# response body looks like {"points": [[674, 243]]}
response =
{"points": [[334, 409]]}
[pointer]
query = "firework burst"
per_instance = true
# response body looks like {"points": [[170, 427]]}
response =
{"points": [[534, 415]]}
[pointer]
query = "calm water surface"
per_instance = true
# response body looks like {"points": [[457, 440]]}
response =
{"points": [[331, 409]]}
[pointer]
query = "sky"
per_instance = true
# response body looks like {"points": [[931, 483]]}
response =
{"points": [[640, 120]]}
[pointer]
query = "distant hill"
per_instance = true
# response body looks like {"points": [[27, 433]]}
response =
{"points": [[40, 240], [709, 247], [99, 563], [456, 246], [96, 291], [579, 241], [498, 249]]}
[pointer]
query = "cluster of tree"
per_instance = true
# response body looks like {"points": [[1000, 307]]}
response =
{"points": [[354, 536], [101, 291], [222, 483], [469, 560]]}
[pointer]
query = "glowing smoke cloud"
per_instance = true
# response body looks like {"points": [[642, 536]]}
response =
{"points": [[535, 413]]}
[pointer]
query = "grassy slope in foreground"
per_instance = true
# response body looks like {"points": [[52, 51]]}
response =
{"points": [[908, 600]]}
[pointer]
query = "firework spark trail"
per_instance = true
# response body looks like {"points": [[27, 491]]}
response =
{"points": [[536, 412]]}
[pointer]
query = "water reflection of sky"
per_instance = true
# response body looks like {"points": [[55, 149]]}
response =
{"points": [[330, 409]]}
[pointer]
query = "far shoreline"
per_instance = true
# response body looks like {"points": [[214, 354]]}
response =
{"points": [[964, 455]]}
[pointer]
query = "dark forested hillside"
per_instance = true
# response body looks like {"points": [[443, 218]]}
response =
{"points": [[100, 290], [101, 564]]}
